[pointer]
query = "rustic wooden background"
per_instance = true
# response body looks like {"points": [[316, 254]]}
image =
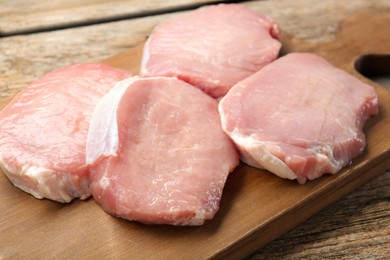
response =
{"points": [[37, 36]]}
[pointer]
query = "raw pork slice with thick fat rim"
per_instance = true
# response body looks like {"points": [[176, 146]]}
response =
{"points": [[212, 47], [299, 117], [43, 131], [157, 152]]}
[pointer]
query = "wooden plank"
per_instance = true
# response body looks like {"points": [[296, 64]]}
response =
{"points": [[93, 224], [356, 227], [27, 16], [26, 57], [316, 21]]}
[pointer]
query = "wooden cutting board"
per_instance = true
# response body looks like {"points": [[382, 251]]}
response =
{"points": [[256, 206]]}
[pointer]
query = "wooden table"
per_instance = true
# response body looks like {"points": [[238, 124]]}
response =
{"points": [[37, 36]]}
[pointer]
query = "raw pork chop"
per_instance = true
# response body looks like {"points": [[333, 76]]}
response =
{"points": [[212, 48], [298, 117], [43, 131], [158, 152]]}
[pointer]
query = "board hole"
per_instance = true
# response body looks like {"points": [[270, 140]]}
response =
{"points": [[375, 67]]}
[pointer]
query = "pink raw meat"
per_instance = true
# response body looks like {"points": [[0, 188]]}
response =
{"points": [[43, 131], [299, 117], [212, 48], [158, 153]]}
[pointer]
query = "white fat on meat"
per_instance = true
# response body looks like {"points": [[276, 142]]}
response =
{"points": [[161, 157], [43, 131], [212, 47], [299, 117]]}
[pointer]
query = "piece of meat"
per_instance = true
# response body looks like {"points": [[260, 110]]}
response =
{"points": [[212, 47], [43, 131], [158, 153], [299, 117]]}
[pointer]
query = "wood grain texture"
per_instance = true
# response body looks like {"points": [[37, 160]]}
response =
{"points": [[318, 20], [344, 228], [33, 15], [26, 57], [356, 227]]}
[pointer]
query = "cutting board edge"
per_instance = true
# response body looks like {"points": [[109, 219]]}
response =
{"points": [[253, 240]]}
